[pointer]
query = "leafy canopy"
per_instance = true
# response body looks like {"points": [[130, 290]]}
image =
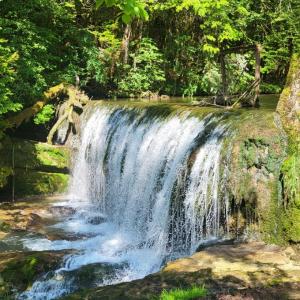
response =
{"points": [[130, 9]]}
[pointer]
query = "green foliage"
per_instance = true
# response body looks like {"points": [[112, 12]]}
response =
{"points": [[4, 227], [211, 80], [184, 294], [5, 172], [188, 64], [7, 78], [239, 72], [51, 48], [221, 21], [174, 50], [238, 75], [45, 115], [130, 9], [269, 88], [21, 273], [145, 73]]}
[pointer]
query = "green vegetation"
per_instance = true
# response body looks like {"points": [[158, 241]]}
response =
{"points": [[45, 115], [126, 48], [146, 73], [184, 294], [7, 61]]}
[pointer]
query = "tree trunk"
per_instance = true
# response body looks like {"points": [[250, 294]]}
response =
{"points": [[223, 76], [258, 49], [125, 43], [28, 113], [76, 99]]}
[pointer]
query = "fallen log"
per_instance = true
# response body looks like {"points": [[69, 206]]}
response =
{"points": [[26, 114], [76, 99]]}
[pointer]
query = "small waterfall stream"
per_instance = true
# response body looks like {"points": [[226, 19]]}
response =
{"points": [[146, 190]]}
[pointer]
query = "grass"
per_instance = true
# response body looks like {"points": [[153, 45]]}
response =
{"points": [[184, 294]]}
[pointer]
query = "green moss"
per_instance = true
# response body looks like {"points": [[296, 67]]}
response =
{"points": [[18, 271], [34, 155], [290, 170], [4, 227], [258, 149], [28, 182], [290, 118], [19, 274], [271, 225], [53, 156], [157, 110], [39, 168], [5, 172], [291, 184]]}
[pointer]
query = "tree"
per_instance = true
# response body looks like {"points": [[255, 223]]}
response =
{"points": [[221, 24], [145, 73]]}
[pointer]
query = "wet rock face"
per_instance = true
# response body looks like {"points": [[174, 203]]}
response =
{"points": [[97, 220], [258, 150], [38, 168], [61, 211]]}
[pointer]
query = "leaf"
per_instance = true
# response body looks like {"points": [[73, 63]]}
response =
{"points": [[126, 18], [99, 3], [136, 11]]}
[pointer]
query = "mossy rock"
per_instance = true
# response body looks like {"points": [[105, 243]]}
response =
{"points": [[289, 111], [29, 182], [19, 270], [39, 168], [292, 224], [258, 150], [35, 156]]}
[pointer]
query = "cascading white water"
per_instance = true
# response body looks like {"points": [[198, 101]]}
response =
{"points": [[145, 190]]}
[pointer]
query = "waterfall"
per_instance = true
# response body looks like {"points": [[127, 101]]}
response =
{"points": [[146, 189]]}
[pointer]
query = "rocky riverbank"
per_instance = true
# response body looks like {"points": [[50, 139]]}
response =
{"points": [[249, 271]]}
